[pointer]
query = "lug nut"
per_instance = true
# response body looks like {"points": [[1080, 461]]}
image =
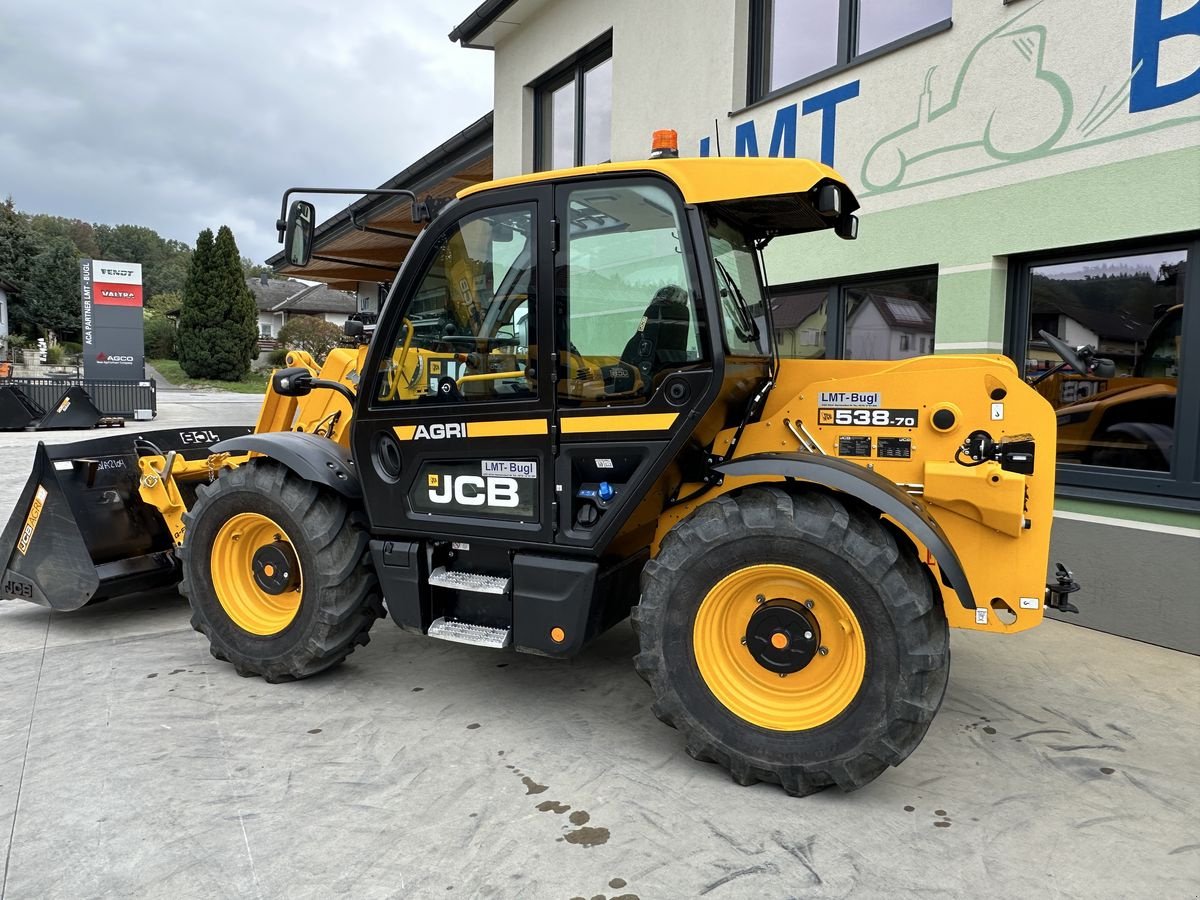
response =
{"points": [[808, 635], [743, 642], [824, 651], [760, 599], [808, 604]]}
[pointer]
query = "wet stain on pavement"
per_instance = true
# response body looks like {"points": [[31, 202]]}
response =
{"points": [[552, 806], [910, 809], [472, 726], [175, 671], [587, 836], [314, 731], [532, 787], [988, 729], [415, 690], [1106, 770], [579, 817], [617, 883], [152, 675]]}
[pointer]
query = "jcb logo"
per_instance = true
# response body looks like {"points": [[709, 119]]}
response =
{"points": [[438, 430], [473, 490]]}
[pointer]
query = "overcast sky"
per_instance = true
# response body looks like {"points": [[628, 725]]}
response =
{"points": [[186, 116]]}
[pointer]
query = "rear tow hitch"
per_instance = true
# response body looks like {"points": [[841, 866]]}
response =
{"points": [[1058, 590]]}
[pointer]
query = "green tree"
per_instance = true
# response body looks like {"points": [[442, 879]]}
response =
{"points": [[217, 335], [159, 338], [251, 269], [51, 296], [197, 314], [19, 245], [80, 233], [310, 333], [161, 304]]}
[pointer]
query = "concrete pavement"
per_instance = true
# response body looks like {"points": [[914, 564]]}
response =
{"points": [[1064, 763]]}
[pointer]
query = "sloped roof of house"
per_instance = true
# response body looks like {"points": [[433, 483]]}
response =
{"points": [[275, 295]]}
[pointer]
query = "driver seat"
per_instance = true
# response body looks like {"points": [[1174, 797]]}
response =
{"points": [[661, 339]]}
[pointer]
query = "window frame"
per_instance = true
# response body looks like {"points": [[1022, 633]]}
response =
{"points": [[835, 303], [404, 287], [572, 69], [1178, 488], [758, 82], [696, 285]]}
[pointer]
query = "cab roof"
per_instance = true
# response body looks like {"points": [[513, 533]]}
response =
{"points": [[700, 179]]}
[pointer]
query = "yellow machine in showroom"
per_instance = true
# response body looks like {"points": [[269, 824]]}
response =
{"points": [[571, 411]]}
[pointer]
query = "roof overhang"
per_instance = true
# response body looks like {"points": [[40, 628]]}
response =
{"points": [[369, 239], [493, 21]]}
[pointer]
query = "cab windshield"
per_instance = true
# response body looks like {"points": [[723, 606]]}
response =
{"points": [[743, 310]]}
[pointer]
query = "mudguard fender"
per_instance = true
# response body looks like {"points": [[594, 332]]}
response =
{"points": [[311, 457], [869, 487]]}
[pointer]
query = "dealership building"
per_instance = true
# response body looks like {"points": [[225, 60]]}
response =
{"points": [[1025, 168]]}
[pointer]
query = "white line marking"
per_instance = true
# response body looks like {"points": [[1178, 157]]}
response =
{"points": [[994, 266], [968, 345], [1129, 523]]}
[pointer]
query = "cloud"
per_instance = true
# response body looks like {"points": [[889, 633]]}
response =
{"points": [[185, 117]]}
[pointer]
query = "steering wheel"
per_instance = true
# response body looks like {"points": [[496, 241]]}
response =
{"points": [[1070, 356]]}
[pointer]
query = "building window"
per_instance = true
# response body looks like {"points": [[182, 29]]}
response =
{"points": [[890, 317], [573, 119], [264, 329], [1102, 336], [796, 41]]}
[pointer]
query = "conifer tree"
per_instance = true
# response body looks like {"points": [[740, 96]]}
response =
{"points": [[218, 334]]}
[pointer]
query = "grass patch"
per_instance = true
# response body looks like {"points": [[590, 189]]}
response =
{"points": [[170, 370]]}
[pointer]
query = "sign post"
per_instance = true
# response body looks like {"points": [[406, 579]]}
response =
{"points": [[113, 348]]}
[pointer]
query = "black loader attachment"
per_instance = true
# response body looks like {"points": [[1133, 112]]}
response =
{"points": [[81, 532], [74, 409]]}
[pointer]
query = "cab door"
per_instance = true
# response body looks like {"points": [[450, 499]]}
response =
{"points": [[635, 355], [452, 433]]}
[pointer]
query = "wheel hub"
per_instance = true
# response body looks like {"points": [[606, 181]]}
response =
{"points": [[783, 636], [275, 568]]}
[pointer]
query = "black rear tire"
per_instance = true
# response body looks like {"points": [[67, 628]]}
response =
{"points": [[340, 598], [902, 625]]}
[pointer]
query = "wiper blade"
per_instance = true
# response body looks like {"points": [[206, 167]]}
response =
{"points": [[749, 329]]}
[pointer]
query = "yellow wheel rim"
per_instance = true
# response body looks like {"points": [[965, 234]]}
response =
{"points": [[803, 699], [252, 607]]}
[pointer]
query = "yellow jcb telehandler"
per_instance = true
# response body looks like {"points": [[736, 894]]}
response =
{"points": [[571, 411]]}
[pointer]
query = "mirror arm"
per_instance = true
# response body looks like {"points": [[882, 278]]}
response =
{"points": [[281, 223]]}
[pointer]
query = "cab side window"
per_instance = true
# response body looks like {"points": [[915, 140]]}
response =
{"points": [[470, 328], [626, 306]]}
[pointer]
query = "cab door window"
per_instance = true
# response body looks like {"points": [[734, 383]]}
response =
{"points": [[469, 332], [627, 308]]}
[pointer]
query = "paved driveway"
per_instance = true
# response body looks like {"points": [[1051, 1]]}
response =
{"points": [[1064, 763]]}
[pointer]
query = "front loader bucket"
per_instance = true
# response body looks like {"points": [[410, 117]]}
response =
{"points": [[80, 530], [18, 412], [74, 409]]}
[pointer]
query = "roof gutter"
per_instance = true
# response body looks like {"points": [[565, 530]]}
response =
{"points": [[478, 21]]}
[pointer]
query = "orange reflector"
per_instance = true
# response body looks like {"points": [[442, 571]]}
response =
{"points": [[557, 635], [665, 139]]}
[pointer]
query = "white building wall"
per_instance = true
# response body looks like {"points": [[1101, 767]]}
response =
{"points": [[3, 313]]}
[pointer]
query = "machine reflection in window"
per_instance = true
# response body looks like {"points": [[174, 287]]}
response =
{"points": [[1104, 347], [469, 330]]}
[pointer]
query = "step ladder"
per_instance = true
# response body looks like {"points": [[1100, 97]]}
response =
{"points": [[468, 633], [458, 631]]}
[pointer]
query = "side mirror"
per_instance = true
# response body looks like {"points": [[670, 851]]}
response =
{"points": [[297, 382], [1104, 368], [829, 200], [353, 328], [847, 228], [297, 237]]}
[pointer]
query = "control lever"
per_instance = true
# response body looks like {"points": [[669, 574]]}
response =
{"points": [[1057, 591]]}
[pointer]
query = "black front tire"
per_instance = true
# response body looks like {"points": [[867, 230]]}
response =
{"points": [[884, 583], [340, 600]]}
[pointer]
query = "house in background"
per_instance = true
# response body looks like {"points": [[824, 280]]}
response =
{"points": [[6, 289], [278, 299]]}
